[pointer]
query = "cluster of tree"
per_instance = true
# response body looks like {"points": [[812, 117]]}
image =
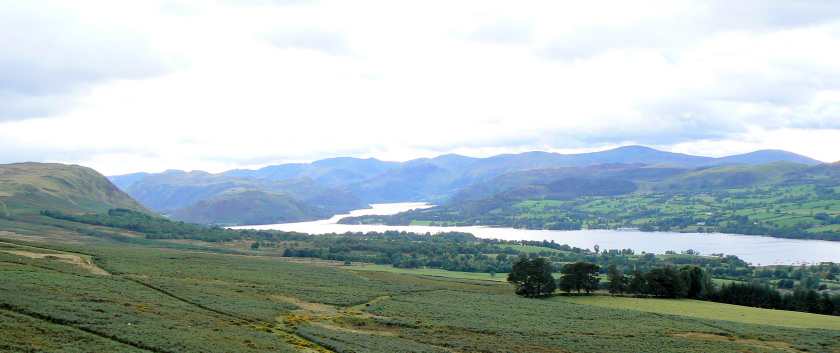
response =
{"points": [[686, 282], [456, 251], [532, 278], [162, 228], [765, 296], [579, 276], [472, 213]]}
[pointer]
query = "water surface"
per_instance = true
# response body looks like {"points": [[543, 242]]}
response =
{"points": [[754, 249]]}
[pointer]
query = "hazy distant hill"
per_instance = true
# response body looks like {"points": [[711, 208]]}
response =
{"points": [[125, 180], [327, 172], [169, 191], [249, 206], [734, 176], [437, 179], [619, 179], [545, 177], [34, 187]]}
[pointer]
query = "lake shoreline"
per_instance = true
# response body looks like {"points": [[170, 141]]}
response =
{"points": [[755, 249]]}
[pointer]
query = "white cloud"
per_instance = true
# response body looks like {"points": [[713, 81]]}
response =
{"points": [[330, 42], [47, 56], [273, 82], [499, 30]]}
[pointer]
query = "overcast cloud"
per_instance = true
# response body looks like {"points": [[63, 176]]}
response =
{"points": [[150, 86]]}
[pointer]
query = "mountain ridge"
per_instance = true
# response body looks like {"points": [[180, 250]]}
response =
{"points": [[33, 187], [436, 179], [251, 207], [170, 191], [344, 183]]}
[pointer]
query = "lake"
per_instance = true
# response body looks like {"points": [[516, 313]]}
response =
{"points": [[754, 249]]}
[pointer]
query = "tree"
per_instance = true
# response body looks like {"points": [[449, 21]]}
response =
{"points": [[637, 282], [618, 281], [579, 276], [532, 277], [665, 282], [698, 283]]}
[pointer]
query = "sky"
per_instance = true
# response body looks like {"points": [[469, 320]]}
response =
{"points": [[145, 86]]}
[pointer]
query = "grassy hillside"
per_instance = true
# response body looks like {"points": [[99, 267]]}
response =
{"points": [[738, 176], [151, 297], [710, 310], [779, 199], [33, 187], [249, 206]]}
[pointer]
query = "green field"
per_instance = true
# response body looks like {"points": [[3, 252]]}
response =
{"points": [[809, 210], [143, 294], [435, 272], [710, 310]]}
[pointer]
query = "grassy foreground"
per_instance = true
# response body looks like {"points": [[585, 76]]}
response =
{"points": [[157, 296], [710, 310], [435, 272]]}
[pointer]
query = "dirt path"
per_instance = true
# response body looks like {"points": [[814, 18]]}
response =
{"points": [[5, 210], [708, 337], [73, 259]]}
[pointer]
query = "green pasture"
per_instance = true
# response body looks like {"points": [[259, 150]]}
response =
{"points": [[710, 310], [499, 277], [531, 249]]}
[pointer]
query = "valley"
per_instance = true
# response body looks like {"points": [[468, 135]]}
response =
{"points": [[338, 185], [299, 176], [107, 273]]}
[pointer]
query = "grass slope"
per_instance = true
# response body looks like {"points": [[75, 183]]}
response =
{"points": [[710, 310], [250, 206], [32, 187], [195, 301]]}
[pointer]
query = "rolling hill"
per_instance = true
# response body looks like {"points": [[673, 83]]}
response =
{"points": [[34, 187], [778, 199], [510, 181], [328, 172], [167, 192], [602, 180], [249, 206]]}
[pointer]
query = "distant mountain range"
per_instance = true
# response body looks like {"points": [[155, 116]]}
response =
{"points": [[341, 184], [308, 191], [437, 179], [169, 191]]}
